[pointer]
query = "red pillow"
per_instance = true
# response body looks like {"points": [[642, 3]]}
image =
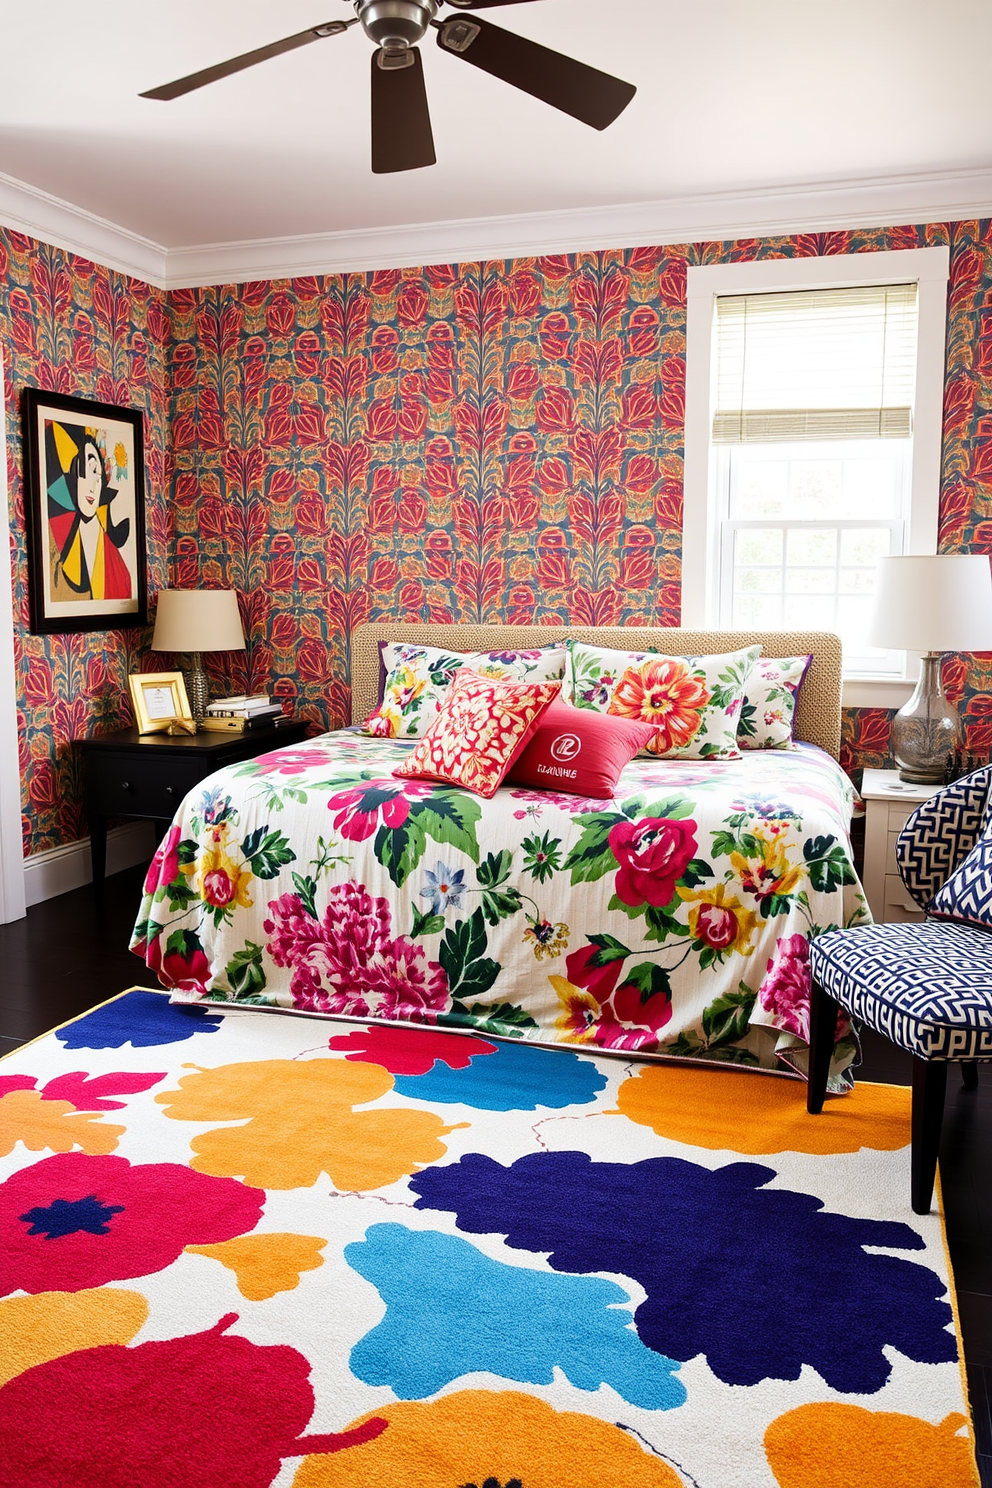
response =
{"points": [[481, 727], [580, 752]]}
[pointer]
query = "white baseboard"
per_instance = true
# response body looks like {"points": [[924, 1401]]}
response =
{"points": [[60, 869]]}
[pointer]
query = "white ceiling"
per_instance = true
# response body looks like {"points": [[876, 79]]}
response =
{"points": [[846, 99]]}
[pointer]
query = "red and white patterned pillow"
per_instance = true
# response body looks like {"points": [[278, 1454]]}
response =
{"points": [[481, 728]]}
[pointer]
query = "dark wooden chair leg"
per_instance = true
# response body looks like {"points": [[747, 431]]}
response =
{"points": [[969, 1074], [823, 1010], [929, 1085]]}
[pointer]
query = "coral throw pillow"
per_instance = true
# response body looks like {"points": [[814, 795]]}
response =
{"points": [[416, 681], [481, 728], [580, 752]]}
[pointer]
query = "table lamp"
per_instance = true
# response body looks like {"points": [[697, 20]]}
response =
{"points": [[931, 604], [194, 621]]}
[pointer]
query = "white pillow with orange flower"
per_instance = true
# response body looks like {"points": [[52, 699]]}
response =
{"points": [[693, 701]]}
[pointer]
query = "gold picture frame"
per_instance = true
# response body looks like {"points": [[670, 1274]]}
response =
{"points": [[160, 703]]}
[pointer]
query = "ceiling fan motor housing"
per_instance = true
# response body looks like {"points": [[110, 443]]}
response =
{"points": [[396, 25]]}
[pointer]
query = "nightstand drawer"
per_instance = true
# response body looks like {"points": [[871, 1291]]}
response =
{"points": [[900, 906], [124, 785]]}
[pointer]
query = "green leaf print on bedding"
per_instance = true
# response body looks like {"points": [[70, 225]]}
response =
{"points": [[469, 971]]}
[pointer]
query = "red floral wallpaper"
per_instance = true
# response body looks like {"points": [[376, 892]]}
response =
{"points": [[71, 326], [498, 441]]}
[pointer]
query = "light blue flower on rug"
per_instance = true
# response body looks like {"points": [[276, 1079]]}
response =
{"points": [[517, 1077], [142, 1019], [451, 1311]]}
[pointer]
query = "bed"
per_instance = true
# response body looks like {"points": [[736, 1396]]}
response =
{"points": [[673, 920]]}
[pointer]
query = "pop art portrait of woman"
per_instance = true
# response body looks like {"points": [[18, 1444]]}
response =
{"points": [[85, 506]]}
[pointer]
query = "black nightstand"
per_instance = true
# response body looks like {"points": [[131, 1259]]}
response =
{"points": [[147, 775]]}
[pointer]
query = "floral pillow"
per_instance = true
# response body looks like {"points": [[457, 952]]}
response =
{"points": [[769, 704], [693, 701], [481, 727], [418, 678]]}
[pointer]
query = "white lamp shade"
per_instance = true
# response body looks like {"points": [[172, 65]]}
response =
{"points": [[939, 602], [198, 620]]}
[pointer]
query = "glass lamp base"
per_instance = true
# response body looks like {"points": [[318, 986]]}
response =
{"points": [[927, 734], [197, 687]]}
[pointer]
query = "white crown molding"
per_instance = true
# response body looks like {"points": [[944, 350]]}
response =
{"points": [[25, 209], [877, 202], [887, 202]]}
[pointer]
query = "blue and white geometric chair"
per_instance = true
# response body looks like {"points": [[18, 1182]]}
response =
{"points": [[927, 987]]}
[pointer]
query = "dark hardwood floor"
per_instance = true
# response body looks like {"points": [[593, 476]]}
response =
{"points": [[71, 953]]}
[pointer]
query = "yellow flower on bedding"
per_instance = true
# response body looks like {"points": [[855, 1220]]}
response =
{"points": [[405, 687], [220, 881], [579, 1011], [546, 939], [720, 921], [773, 876]]}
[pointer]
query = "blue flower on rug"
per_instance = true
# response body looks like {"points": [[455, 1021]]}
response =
{"points": [[70, 1217], [516, 1077], [759, 1280], [140, 1019], [450, 1311]]}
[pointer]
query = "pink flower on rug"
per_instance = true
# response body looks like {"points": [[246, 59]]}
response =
{"points": [[348, 962], [653, 853], [74, 1221], [113, 1415], [785, 991]]}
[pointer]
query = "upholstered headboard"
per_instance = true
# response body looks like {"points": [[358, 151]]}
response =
{"points": [[817, 712]]}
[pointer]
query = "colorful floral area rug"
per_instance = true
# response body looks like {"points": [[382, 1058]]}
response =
{"points": [[251, 1248]]}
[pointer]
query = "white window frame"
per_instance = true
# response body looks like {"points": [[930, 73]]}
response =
{"points": [[929, 268]]}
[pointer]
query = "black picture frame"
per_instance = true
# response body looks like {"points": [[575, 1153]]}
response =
{"points": [[84, 501]]}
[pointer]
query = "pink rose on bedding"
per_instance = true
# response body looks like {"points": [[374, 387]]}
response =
{"points": [[599, 980], [360, 811], [653, 853], [348, 961], [785, 991], [164, 866], [293, 761]]}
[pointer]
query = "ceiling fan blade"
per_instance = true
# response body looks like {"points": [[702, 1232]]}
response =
{"points": [[485, 4], [587, 94], [247, 59], [402, 138]]}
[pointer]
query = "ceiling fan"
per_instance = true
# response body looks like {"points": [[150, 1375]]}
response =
{"points": [[402, 138]]}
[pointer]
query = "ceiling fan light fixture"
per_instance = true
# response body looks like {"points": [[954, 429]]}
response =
{"points": [[396, 25]]}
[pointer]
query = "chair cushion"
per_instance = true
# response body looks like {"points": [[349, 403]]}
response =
{"points": [[927, 987], [967, 895]]}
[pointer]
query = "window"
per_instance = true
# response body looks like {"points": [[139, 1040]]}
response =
{"points": [[812, 441]]}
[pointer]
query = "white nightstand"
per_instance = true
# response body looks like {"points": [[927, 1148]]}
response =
{"points": [[888, 803]]}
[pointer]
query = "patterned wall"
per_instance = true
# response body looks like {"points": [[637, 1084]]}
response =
{"points": [[491, 442], [68, 325], [481, 442]]}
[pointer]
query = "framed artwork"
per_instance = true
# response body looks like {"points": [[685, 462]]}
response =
{"points": [[160, 703], [84, 494]]}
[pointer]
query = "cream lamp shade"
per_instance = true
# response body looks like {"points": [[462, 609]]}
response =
{"points": [[198, 620], [933, 603]]}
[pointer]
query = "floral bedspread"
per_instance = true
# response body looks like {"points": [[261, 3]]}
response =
{"points": [[674, 919]]}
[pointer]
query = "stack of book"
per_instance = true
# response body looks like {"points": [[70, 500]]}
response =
{"points": [[232, 715]]}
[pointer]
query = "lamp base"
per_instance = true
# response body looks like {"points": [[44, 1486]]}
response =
{"points": [[926, 732], [197, 686]]}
